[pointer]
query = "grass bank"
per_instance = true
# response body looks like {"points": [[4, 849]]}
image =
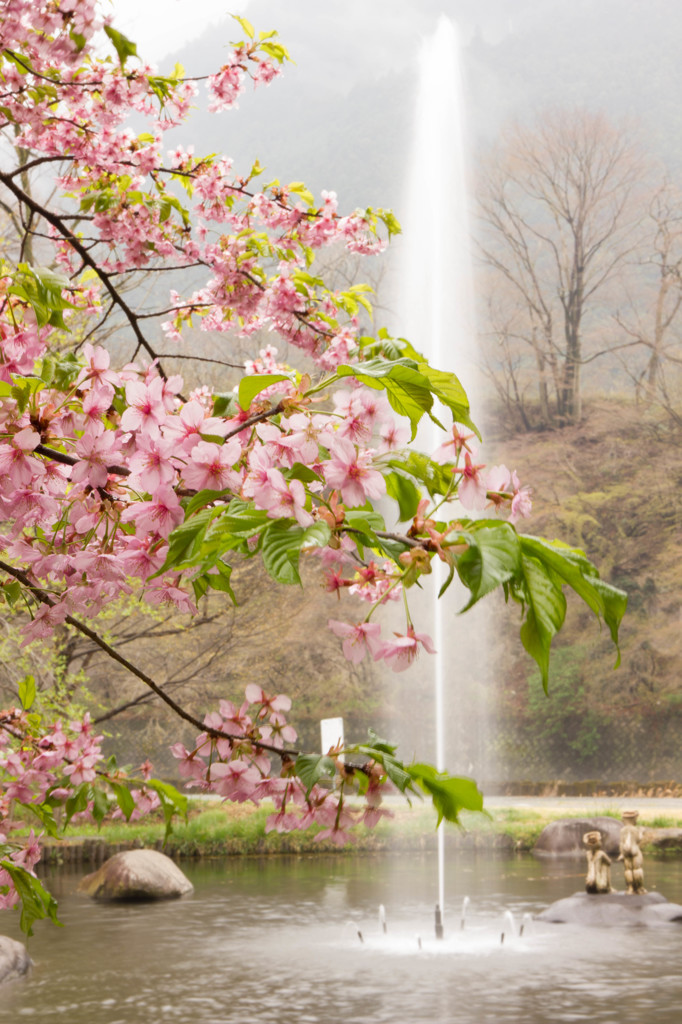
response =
{"points": [[218, 830]]}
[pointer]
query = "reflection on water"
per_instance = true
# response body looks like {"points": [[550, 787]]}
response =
{"points": [[276, 941]]}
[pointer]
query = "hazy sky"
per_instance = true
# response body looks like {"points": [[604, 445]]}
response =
{"points": [[160, 27]]}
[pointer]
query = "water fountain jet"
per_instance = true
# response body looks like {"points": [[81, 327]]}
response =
{"points": [[434, 304], [465, 903], [439, 922]]}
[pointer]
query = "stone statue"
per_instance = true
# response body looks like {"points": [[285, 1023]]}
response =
{"points": [[630, 853], [598, 878]]}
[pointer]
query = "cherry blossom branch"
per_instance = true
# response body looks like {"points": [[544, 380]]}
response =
{"points": [[202, 359], [71, 460], [66, 233], [44, 598], [257, 418]]}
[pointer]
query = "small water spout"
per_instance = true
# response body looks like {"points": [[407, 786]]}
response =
{"points": [[360, 936], [465, 903], [382, 918], [439, 922], [419, 942], [509, 922], [527, 918]]}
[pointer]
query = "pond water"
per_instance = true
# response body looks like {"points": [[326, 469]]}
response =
{"points": [[276, 940]]}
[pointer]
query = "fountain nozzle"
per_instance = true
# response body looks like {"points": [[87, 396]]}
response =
{"points": [[439, 922]]}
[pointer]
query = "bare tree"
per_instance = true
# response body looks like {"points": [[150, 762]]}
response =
{"points": [[560, 213], [651, 319]]}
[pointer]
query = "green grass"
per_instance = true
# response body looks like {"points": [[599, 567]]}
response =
{"points": [[661, 821], [217, 829]]}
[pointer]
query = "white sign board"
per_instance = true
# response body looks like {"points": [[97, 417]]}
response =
{"points": [[331, 731]]}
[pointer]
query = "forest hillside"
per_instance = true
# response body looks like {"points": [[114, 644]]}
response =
{"points": [[609, 485]]}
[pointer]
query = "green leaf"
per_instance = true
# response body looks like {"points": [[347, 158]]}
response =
{"points": [[545, 613], [12, 591], [435, 478], [42, 289], [304, 473], [448, 390], [202, 498], [36, 902], [100, 805], [224, 404], [362, 524], [172, 802], [23, 390], [575, 569], [276, 51], [451, 794], [124, 799], [492, 558], [384, 754], [251, 386], [299, 189], [375, 741], [408, 391], [282, 544], [405, 493], [27, 692], [123, 46], [184, 543], [311, 768], [78, 801], [241, 519], [247, 27], [397, 773], [200, 587], [615, 605], [365, 519], [390, 220], [451, 576], [43, 813], [220, 580]]}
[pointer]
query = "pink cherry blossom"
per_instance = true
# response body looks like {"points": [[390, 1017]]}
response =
{"points": [[146, 410], [472, 490], [358, 640], [284, 498], [210, 466], [450, 450], [350, 471], [401, 652], [95, 450], [161, 515]]}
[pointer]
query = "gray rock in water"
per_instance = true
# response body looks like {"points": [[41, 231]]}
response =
{"points": [[136, 875], [613, 910], [14, 960], [564, 838], [663, 838]]}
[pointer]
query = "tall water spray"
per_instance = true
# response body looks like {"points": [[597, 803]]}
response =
{"points": [[434, 307]]}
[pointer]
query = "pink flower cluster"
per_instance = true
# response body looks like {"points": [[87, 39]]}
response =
{"points": [[99, 462], [478, 488], [35, 764], [233, 759]]}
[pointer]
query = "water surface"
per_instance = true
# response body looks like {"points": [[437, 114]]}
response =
{"points": [[277, 941]]}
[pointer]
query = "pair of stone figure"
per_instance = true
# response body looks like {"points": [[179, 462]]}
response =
{"points": [[599, 863]]}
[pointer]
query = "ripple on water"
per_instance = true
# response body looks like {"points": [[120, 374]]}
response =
{"points": [[279, 944]]}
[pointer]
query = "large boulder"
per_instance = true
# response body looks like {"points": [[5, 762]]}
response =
{"points": [[564, 838], [14, 960], [668, 839], [136, 875], [613, 910]]}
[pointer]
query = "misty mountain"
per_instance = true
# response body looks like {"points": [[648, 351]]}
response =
{"points": [[340, 117]]}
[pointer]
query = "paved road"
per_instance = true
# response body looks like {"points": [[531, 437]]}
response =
{"points": [[591, 805]]}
